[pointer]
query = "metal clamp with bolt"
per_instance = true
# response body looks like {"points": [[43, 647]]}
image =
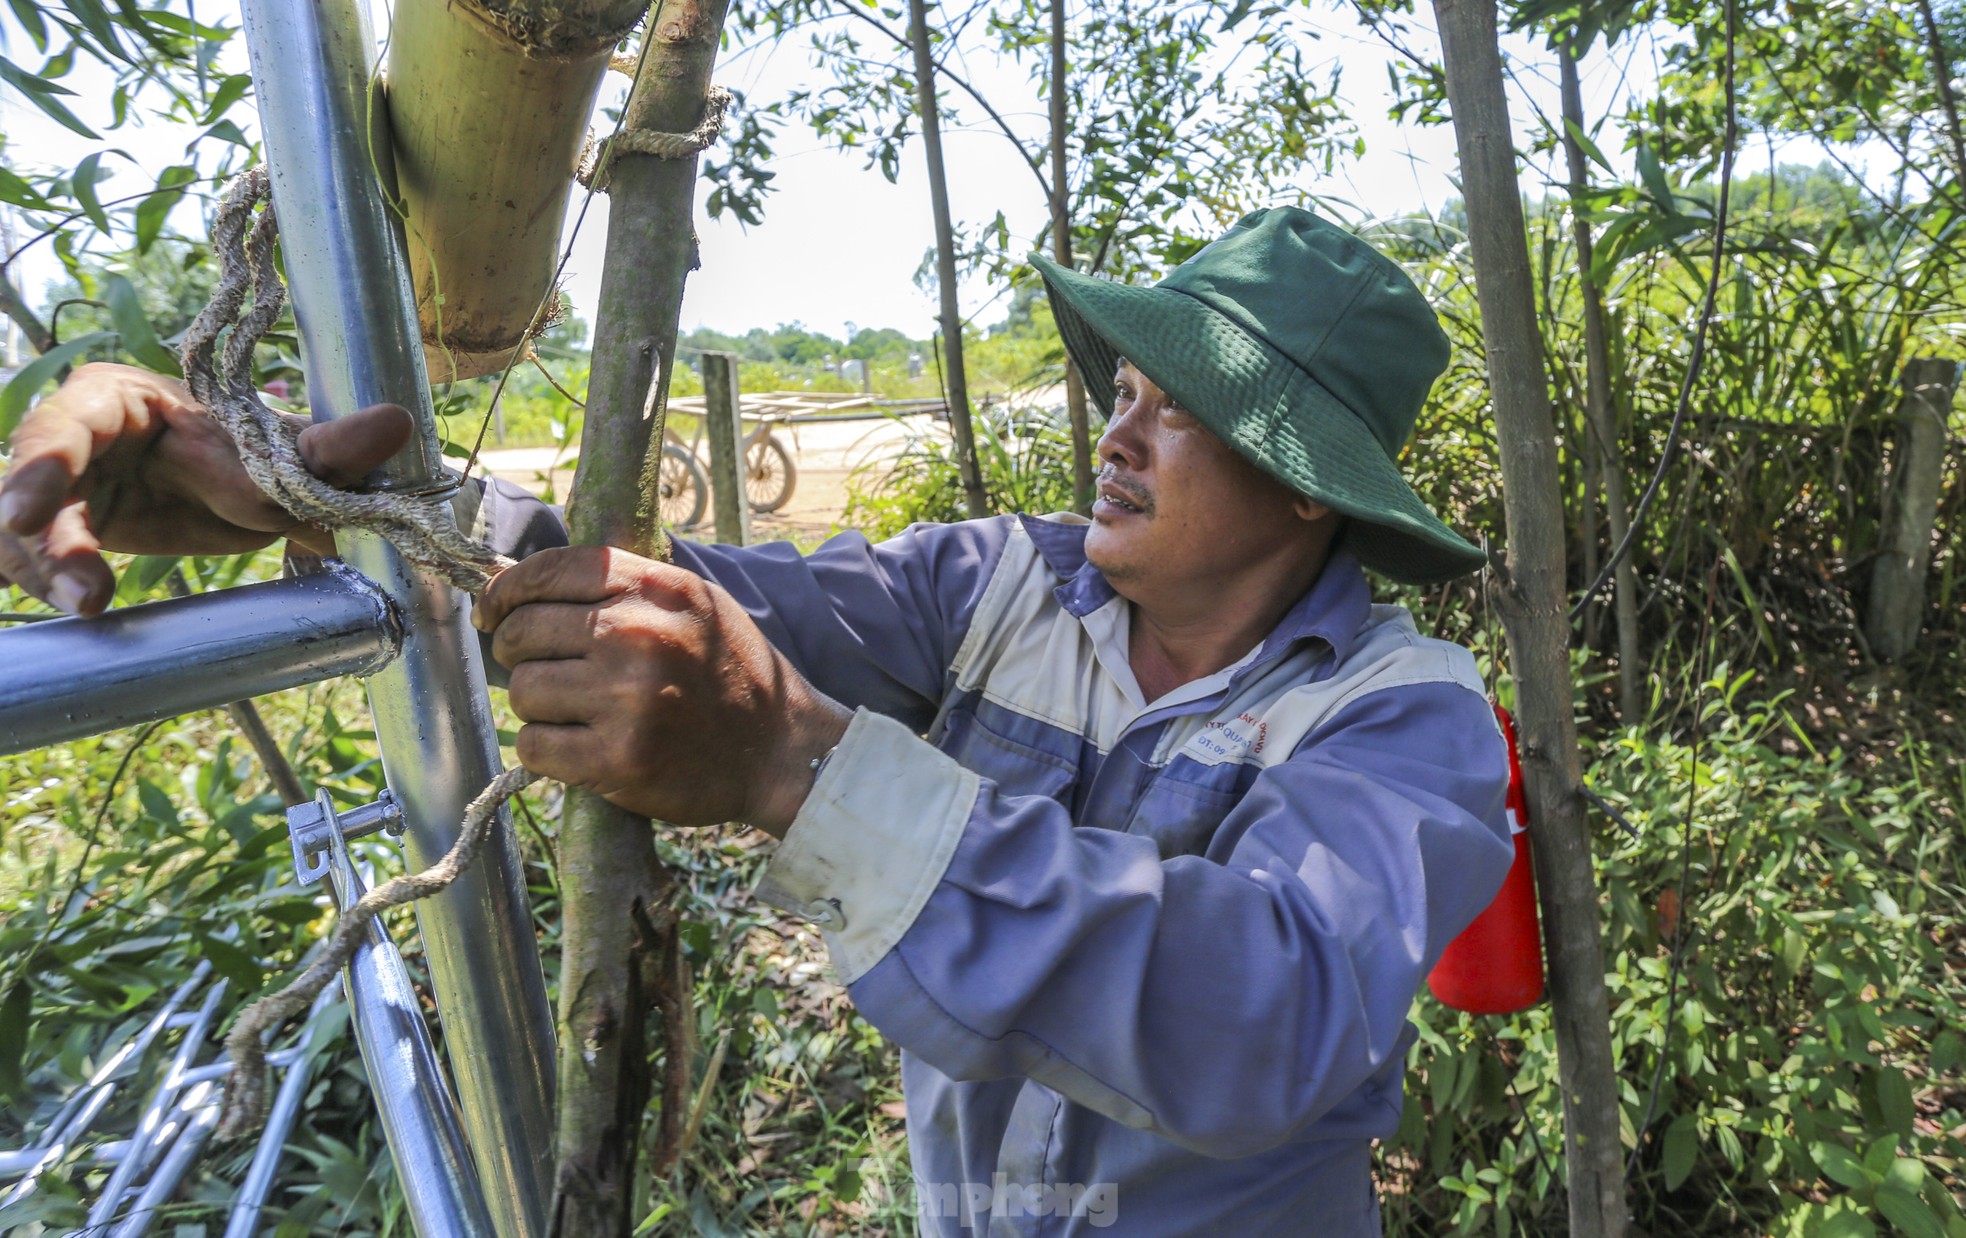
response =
{"points": [[314, 826]]}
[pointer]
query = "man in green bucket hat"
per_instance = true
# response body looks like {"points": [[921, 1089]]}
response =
{"points": [[1137, 835], [1304, 349]]}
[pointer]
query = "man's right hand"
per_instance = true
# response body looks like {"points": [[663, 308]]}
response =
{"points": [[121, 459]]}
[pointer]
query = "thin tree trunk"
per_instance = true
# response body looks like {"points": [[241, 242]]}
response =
{"points": [[39, 337], [1598, 412], [1587, 522], [1061, 249], [1532, 605], [945, 262], [619, 957], [1942, 77]]}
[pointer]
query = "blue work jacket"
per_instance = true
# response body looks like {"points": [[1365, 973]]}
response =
{"points": [[1148, 962]]}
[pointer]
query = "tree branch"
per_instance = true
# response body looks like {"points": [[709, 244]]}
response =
{"points": [[37, 332], [1030, 161]]}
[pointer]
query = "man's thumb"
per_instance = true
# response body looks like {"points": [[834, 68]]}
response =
{"points": [[344, 451]]}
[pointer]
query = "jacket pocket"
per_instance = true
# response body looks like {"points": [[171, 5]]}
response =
{"points": [[1016, 767]]}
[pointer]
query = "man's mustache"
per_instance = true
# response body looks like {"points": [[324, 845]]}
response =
{"points": [[1135, 493]]}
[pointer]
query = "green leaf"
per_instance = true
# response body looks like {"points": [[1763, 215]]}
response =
{"points": [[225, 131], [149, 569], [233, 963], [1894, 1100], [1909, 1213], [139, 337], [229, 92], [1841, 1166], [1584, 143], [1907, 1174], [14, 1014], [98, 22], [42, 95], [41, 371], [17, 192], [1847, 1225], [155, 209], [83, 183], [1654, 176], [156, 805], [1948, 1051], [1882, 1153], [28, 14], [1682, 1150]]}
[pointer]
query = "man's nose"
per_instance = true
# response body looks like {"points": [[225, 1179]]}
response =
{"points": [[1122, 442]]}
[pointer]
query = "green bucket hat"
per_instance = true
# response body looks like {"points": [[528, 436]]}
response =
{"points": [[1302, 347]]}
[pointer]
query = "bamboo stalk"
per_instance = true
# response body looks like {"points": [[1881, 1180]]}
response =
{"points": [[619, 954], [1531, 603], [489, 104]]}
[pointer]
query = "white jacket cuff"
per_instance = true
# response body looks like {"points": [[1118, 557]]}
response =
{"points": [[872, 841]]}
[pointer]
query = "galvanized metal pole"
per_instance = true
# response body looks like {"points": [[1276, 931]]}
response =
{"points": [[313, 70], [724, 426], [73, 677], [250, 1199], [444, 1193]]}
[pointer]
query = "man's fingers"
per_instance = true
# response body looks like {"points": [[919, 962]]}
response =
{"points": [[63, 565], [344, 451], [577, 574], [99, 406], [44, 470], [80, 582], [544, 630], [564, 753], [553, 692]]}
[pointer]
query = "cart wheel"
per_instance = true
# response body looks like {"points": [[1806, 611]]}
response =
{"points": [[769, 474], [685, 491]]}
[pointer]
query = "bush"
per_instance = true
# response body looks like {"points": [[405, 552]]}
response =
{"points": [[1026, 464], [1812, 1080]]}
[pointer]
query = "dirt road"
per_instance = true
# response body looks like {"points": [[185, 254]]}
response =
{"points": [[826, 454]]}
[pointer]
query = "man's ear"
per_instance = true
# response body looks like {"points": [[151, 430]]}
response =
{"points": [[1309, 509]]}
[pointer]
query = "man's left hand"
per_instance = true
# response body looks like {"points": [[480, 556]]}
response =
{"points": [[649, 685]]}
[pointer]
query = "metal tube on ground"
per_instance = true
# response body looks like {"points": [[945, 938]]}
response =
{"points": [[68, 678], [158, 1124], [197, 1115], [313, 74], [258, 1182], [81, 1109]]}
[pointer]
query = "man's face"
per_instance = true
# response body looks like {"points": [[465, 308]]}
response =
{"points": [[1175, 505]]}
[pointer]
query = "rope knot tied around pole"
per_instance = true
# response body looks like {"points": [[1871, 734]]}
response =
{"points": [[422, 528], [597, 158]]}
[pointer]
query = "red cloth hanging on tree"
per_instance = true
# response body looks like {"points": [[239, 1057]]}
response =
{"points": [[1496, 965]]}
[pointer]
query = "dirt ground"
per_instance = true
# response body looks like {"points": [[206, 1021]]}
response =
{"points": [[825, 454]]}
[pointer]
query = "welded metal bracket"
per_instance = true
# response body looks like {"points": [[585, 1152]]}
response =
{"points": [[315, 829]]}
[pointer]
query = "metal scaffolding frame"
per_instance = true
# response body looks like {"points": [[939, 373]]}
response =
{"points": [[479, 1162]]}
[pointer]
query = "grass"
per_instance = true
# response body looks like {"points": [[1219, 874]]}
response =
{"points": [[1814, 1077]]}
